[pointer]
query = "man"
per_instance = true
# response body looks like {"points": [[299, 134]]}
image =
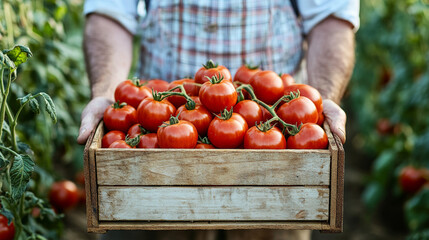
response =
{"points": [[177, 36]]}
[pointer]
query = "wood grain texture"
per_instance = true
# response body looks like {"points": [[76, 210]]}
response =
{"points": [[334, 158], [105, 226], [212, 167], [213, 203]]}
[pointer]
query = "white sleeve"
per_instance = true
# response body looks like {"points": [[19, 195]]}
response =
{"points": [[123, 11], [314, 11]]}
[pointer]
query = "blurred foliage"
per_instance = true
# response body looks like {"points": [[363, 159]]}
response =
{"points": [[389, 98], [53, 31]]}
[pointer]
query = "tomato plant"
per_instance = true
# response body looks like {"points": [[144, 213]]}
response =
{"points": [[211, 69], [110, 137], [250, 111], [120, 116], [157, 85], [308, 92], [287, 79], [245, 73], [411, 179], [132, 92], [152, 113], [264, 136], [268, 86], [218, 94], [190, 88], [147, 140], [198, 115], [63, 195], [177, 134], [7, 230], [227, 130], [309, 136], [298, 110]]}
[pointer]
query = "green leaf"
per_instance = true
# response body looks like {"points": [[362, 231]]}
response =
{"points": [[3, 162], [23, 100], [19, 54], [419, 235], [9, 63], [50, 106], [416, 210], [20, 173], [34, 105], [1, 58], [8, 214]]}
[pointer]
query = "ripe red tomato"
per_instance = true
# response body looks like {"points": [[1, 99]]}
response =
{"points": [[227, 131], [110, 137], [321, 119], [157, 85], [265, 114], [147, 140], [216, 95], [245, 73], [204, 143], [200, 117], [190, 88], [297, 111], [63, 195], [7, 232], [119, 117], [287, 79], [308, 92], [196, 100], [268, 86], [132, 92], [411, 179], [152, 113], [211, 69], [310, 136], [120, 144], [177, 134], [258, 137], [80, 178], [250, 111]]}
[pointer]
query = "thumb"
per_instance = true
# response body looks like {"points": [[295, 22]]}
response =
{"points": [[91, 116], [336, 118]]}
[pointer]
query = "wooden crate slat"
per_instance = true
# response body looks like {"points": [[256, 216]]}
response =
{"points": [[213, 203], [212, 167]]}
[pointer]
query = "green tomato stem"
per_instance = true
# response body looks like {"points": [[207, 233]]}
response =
{"points": [[3, 103], [181, 93]]}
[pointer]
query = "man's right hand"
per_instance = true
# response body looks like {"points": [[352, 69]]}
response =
{"points": [[91, 116]]}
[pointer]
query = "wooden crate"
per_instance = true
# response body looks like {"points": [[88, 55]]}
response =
{"points": [[183, 189]]}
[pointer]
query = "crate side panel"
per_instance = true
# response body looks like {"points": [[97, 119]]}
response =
{"points": [[212, 167], [213, 203]]}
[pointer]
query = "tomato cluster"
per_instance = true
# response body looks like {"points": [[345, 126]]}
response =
{"points": [[254, 110]]}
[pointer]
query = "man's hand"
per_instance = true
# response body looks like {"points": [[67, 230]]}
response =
{"points": [[336, 118], [91, 116]]}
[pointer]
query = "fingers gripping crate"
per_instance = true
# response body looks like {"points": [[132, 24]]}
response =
{"points": [[184, 189]]}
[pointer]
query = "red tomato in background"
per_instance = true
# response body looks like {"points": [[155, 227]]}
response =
{"points": [[245, 73], [411, 179], [227, 133], [7, 232], [190, 89], [152, 113], [132, 92], [119, 117], [268, 139], [157, 85], [308, 92], [63, 195], [211, 69], [200, 117], [147, 140], [250, 111], [268, 86], [287, 79], [266, 115], [204, 146], [196, 100], [218, 96], [297, 111], [321, 119], [311, 136], [120, 144], [181, 134], [110, 137]]}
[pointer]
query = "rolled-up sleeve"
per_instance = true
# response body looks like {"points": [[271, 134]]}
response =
{"points": [[314, 11], [123, 11]]}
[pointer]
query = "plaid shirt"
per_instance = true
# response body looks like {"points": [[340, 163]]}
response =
{"points": [[179, 35]]}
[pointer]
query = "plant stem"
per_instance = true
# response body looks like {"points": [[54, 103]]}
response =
{"points": [[3, 103], [182, 93]]}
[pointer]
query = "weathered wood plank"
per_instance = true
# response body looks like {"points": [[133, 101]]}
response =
{"points": [[334, 159], [212, 167], [106, 226], [213, 203]]}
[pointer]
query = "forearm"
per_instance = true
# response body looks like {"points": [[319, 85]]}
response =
{"points": [[108, 54], [331, 57]]}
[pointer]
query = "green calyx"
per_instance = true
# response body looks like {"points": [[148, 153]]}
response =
{"points": [[190, 104], [251, 67], [216, 79], [136, 82], [173, 120], [294, 130], [204, 140], [264, 126], [225, 114], [210, 64], [132, 141], [119, 105], [157, 96], [143, 131], [292, 95]]}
